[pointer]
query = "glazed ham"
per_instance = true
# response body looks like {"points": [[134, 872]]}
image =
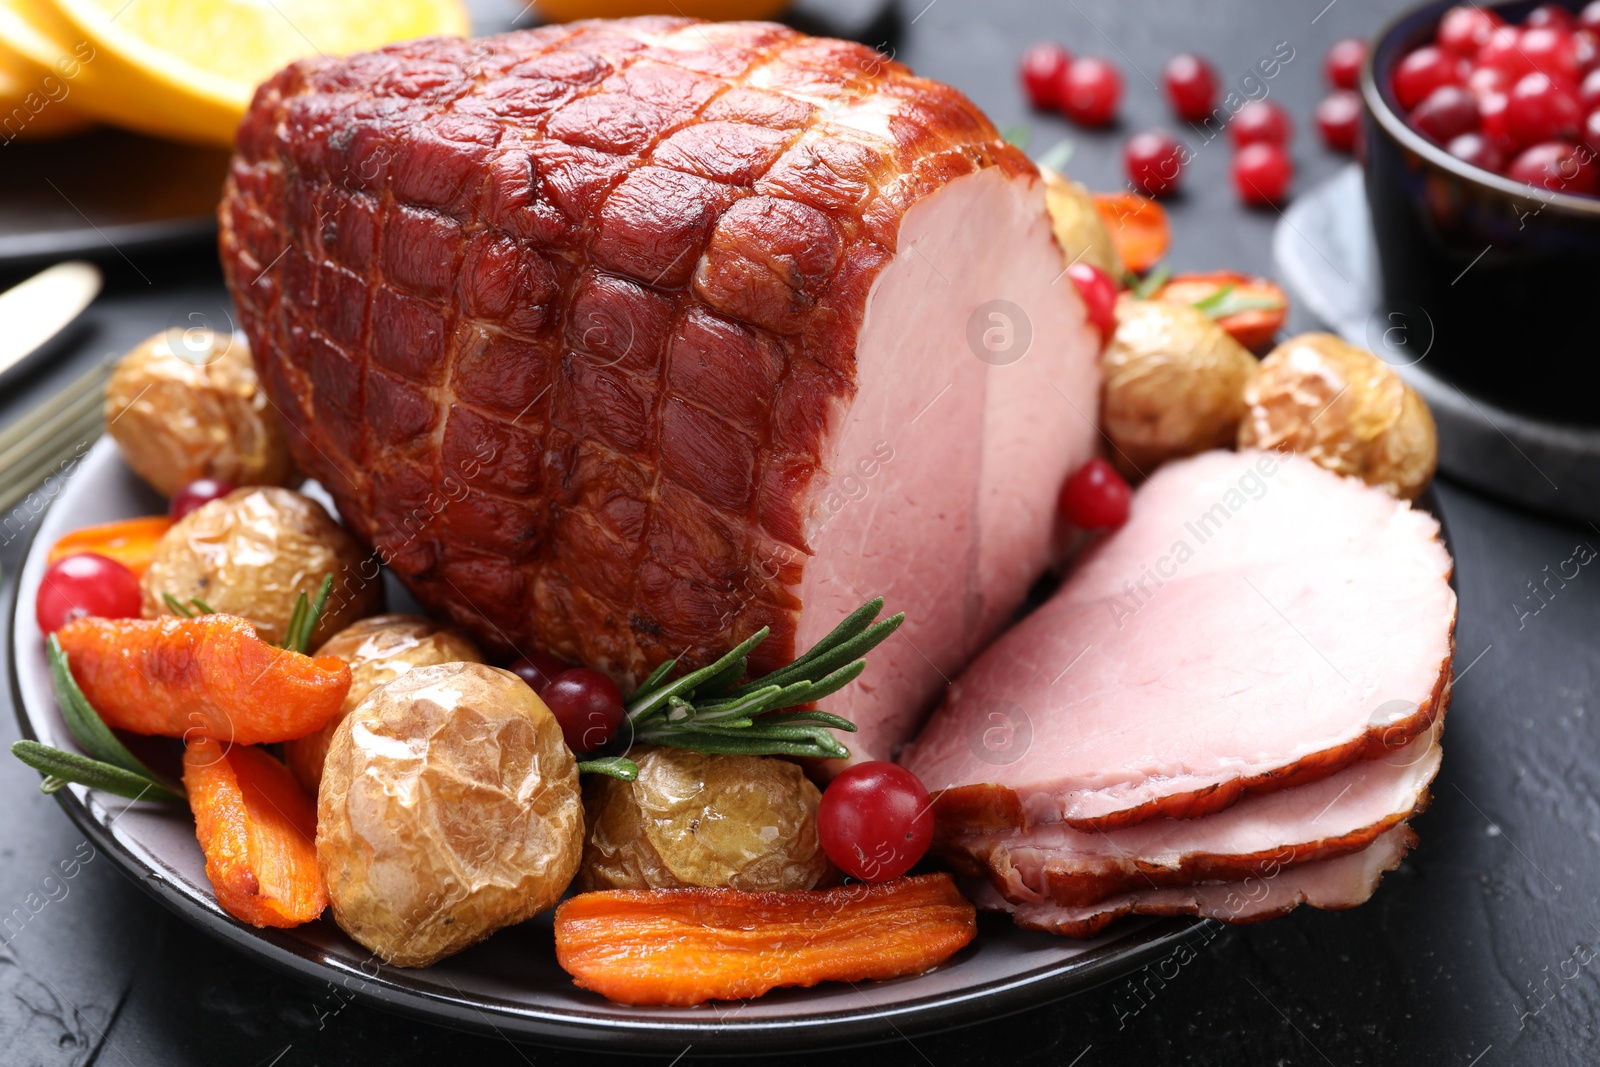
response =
{"points": [[1342, 882], [619, 340], [1258, 623], [1261, 834]]}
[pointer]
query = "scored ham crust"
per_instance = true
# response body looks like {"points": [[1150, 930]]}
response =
{"points": [[1342, 813], [1333, 884], [620, 340], [1258, 623]]}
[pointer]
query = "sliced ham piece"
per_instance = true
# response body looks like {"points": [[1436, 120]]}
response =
{"points": [[1258, 623], [620, 340], [1342, 813], [1342, 882]]}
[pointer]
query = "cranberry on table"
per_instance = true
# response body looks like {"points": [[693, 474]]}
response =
{"points": [[588, 705], [1558, 166], [1465, 29], [1261, 121], [1423, 71], [1478, 150], [85, 584], [875, 821], [1154, 161], [1090, 91], [1447, 112], [1343, 62], [539, 670], [1043, 67], [1096, 497], [1338, 117], [1191, 86], [1261, 173], [198, 492], [1099, 295], [1540, 108]]}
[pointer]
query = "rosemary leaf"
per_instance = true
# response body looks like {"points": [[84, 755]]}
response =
{"points": [[304, 617], [202, 607], [724, 680], [83, 722], [732, 744], [71, 767], [642, 709], [836, 657], [1146, 287], [821, 718], [611, 767], [648, 686], [176, 606]]}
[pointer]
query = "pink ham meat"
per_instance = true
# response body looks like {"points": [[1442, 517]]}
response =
{"points": [[1258, 623], [1342, 813], [1342, 882], [620, 340]]}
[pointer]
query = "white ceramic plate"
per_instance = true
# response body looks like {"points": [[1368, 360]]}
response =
{"points": [[511, 984]]}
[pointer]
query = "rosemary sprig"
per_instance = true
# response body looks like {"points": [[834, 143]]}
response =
{"points": [[1147, 287], [1225, 302], [178, 607], [709, 710], [303, 618], [109, 765]]}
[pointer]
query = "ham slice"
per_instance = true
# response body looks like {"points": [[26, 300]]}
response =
{"points": [[1342, 813], [621, 340], [1343, 882], [1258, 623]]}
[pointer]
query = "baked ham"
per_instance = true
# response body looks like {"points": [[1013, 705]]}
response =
{"points": [[1339, 814], [1258, 623], [620, 340], [1342, 882]]}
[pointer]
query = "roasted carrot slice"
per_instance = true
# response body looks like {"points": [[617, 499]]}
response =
{"points": [[686, 946], [208, 675], [258, 830], [131, 542], [1251, 309], [1138, 228]]}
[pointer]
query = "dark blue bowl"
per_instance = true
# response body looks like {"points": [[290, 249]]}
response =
{"points": [[1508, 274]]}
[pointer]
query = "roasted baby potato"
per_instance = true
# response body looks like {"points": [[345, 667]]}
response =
{"points": [[254, 551], [449, 808], [1174, 385], [199, 413], [379, 650], [1344, 408], [696, 819], [1079, 230]]}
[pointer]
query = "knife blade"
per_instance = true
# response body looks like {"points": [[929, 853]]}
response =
{"points": [[34, 311]]}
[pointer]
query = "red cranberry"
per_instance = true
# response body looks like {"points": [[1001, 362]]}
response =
{"points": [[1191, 86], [1542, 109], [1591, 132], [1558, 166], [1261, 121], [539, 670], [1464, 30], [1589, 17], [1043, 66], [1492, 110], [1478, 150], [1503, 52], [1099, 295], [85, 584], [1262, 172], [1343, 62], [1095, 497], [1488, 80], [1553, 15], [1338, 118], [1586, 47], [1423, 71], [1090, 91], [1448, 112], [1589, 92], [1552, 51], [198, 492], [1154, 161], [588, 706]]}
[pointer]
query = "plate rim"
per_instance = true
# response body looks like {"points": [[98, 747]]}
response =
{"points": [[718, 1035]]}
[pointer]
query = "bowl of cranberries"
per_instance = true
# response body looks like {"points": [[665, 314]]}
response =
{"points": [[1482, 168]]}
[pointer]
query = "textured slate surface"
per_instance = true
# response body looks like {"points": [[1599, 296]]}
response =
{"points": [[1481, 950]]}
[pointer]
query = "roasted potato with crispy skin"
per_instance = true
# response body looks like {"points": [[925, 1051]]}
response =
{"points": [[199, 413], [696, 819], [379, 650], [1174, 385], [1344, 408], [1079, 230], [252, 552], [449, 808]]}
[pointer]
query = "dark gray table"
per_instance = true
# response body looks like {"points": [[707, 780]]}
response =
{"points": [[1480, 950]]}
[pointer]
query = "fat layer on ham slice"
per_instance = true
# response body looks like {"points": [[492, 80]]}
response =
{"points": [[1342, 882], [1259, 622], [1342, 813]]}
